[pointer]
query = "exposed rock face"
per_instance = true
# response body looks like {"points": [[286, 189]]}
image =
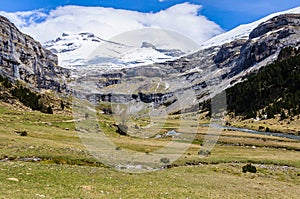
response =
{"points": [[210, 70], [264, 42], [281, 21], [23, 58]]}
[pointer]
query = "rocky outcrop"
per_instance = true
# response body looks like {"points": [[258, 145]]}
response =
{"points": [[276, 23], [265, 42], [23, 58]]}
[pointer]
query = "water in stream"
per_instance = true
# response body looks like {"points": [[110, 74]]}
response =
{"points": [[284, 135]]}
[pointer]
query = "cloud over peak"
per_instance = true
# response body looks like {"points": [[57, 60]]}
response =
{"points": [[109, 22]]}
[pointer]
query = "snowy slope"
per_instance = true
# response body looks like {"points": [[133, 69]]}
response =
{"points": [[72, 50], [128, 50], [242, 31]]}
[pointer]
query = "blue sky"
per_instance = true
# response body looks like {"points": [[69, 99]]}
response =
{"points": [[226, 13]]}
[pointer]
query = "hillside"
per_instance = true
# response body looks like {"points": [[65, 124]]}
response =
{"points": [[272, 90]]}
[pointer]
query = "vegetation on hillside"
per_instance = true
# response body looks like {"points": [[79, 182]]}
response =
{"points": [[274, 89], [26, 96]]}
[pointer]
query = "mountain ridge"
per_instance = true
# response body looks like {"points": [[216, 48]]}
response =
{"points": [[206, 72], [243, 31]]}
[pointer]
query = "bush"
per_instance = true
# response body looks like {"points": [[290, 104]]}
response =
{"points": [[249, 168], [5, 82], [204, 152], [165, 160], [27, 97], [62, 105], [49, 110], [22, 133], [31, 99]]}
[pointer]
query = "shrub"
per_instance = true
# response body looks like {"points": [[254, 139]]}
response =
{"points": [[27, 97], [204, 152], [22, 133], [62, 105], [49, 110], [165, 160], [249, 168]]}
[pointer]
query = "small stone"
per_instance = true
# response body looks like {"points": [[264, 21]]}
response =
{"points": [[87, 187], [40, 195], [13, 179]]}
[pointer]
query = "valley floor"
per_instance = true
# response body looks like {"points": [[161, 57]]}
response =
{"points": [[50, 161]]}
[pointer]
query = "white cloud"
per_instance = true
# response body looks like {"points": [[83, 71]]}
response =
{"points": [[109, 22]]}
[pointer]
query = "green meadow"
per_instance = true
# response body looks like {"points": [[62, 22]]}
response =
{"points": [[50, 161]]}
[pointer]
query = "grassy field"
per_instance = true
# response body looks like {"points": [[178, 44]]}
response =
{"points": [[51, 162]]}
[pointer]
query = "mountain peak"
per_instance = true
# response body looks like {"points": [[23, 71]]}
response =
{"points": [[67, 46], [86, 48]]}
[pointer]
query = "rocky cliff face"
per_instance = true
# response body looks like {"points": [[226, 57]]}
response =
{"points": [[207, 71], [23, 58]]}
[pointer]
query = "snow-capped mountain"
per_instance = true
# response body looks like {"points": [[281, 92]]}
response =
{"points": [[226, 58], [243, 31], [207, 71], [86, 49], [74, 49], [167, 72]]}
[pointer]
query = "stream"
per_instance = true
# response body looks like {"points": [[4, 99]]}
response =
{"points": [[283, 135]]}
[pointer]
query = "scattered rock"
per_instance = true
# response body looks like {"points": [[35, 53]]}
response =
{"points": [[122, 129], [13, 179], [172, 133], [118, 148], [87, 187], [34, 159], [40, 195]]}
